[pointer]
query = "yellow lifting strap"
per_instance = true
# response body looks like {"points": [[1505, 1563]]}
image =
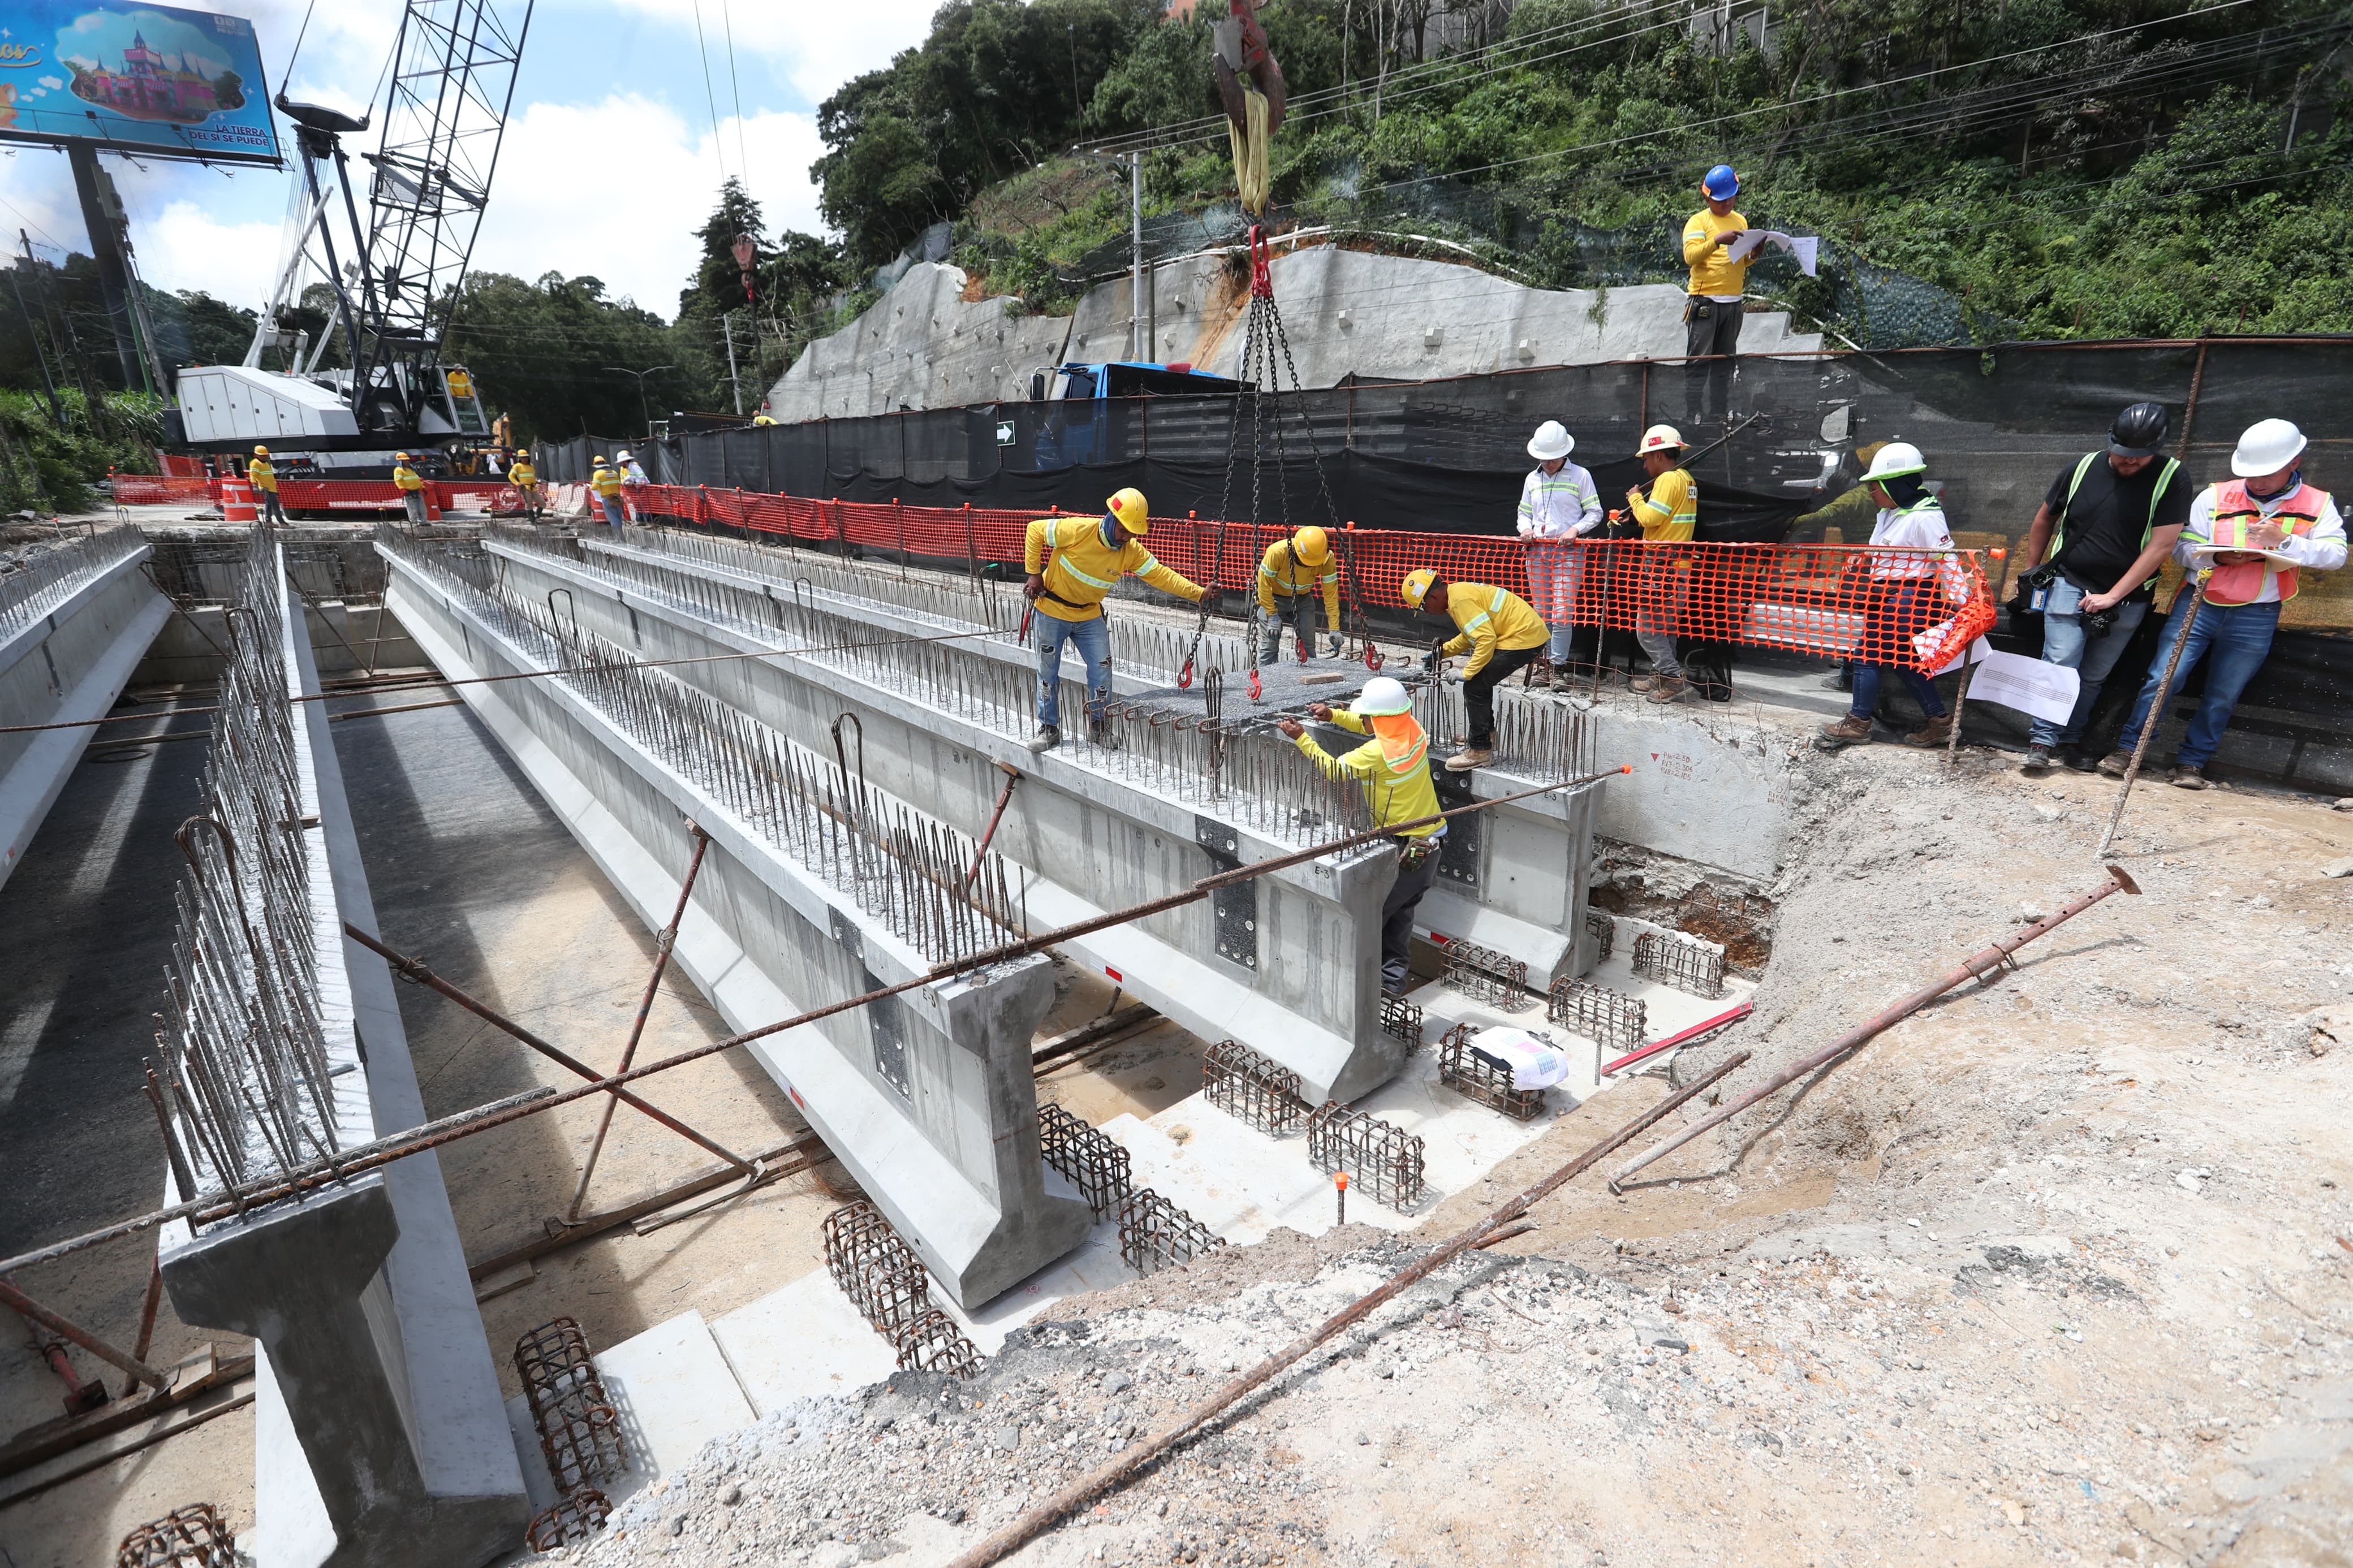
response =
{"points": [[1250, 144]]}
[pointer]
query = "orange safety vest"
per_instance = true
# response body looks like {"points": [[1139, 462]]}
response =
{"points": [[2236, 512]]}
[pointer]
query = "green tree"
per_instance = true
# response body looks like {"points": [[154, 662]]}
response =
{"points": [[539, 351]]}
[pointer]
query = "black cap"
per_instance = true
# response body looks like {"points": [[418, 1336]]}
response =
{"points": [[2139, 431]]}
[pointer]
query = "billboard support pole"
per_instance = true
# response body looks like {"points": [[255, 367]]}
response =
{"points": [[106, 246]]}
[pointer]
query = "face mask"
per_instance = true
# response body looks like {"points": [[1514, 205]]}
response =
{"points": [[2293, 479]]}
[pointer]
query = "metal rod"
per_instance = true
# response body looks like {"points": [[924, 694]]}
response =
{"points": [[1682, 1036], [33, 1311], [980, 851], [147, 1311], [414, 969], [1105, 1477], [662, 945], [1977, 966], [2156, 714]]}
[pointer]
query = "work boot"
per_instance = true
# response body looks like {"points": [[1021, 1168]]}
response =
{"points": [[1669, 689], [1935, 733], [1104, 736], [1471, 757], [2076, 760], [1849, 731], [1642, 683], [1048, 737], [2038, 762], [2188, 778], [2113, 764]]}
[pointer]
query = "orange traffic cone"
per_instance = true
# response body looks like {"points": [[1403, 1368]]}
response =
{"points": [[237, 501], [432, 503]]}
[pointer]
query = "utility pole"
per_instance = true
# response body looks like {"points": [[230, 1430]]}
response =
{"points": [[113, 272], [644, 412], [728, 322], [1140, 345], [56, 404]]}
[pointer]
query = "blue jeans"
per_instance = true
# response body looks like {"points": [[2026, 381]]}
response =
{"points": [[1092, 640], [2241, 638], [613, 513], [1898, 612], [1299, 611], [2064, 645], [1553, 574]]}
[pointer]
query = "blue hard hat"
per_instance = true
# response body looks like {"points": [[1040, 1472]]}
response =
{"points": [[1721, 184]]}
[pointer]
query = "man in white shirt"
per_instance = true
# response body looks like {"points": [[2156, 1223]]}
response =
{"points": [[2248, 541], [1557, 503], [1912, 589]]}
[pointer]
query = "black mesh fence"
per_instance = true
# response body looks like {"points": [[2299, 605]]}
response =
{"points": [[1997, 424]]}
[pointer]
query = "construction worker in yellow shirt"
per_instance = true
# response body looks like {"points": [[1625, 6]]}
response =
{"points": [[1714, 298], [1498, 630], [412, 489], [607, 482], [1669, 515], [265, 485], [1394, 768], [1072, 562], [524, 476], [1288, 576]]}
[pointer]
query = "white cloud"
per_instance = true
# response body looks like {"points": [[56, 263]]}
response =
{"points": [[185, 247], [617, 190], [813, 47]]}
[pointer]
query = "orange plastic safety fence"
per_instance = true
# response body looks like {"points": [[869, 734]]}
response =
{"points": [[162, 490], [1903, 608]]}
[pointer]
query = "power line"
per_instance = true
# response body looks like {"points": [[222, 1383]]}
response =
{"points": [[742, 155], [718, 149]]}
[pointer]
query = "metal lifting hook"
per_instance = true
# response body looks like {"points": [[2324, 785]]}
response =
{"points": [[1184, 674], [1261, 279], [1254, 685]]}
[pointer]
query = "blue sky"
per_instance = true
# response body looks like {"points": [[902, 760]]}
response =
{"points": [[609, 161]]}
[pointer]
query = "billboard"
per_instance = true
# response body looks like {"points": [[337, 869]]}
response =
{"points": [[152, 80]]}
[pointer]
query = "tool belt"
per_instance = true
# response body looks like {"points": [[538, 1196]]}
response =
{"points": [[1412, 852], [1072, 604]]}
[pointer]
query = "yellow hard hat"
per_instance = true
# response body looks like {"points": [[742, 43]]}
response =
{"points": [[1311, 547], [1417, 584], [261, 451], [1129, 508], [400, 456], [599, 459]]}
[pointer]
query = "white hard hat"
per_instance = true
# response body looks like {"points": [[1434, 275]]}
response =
{"points": [[1662, 438], [624, 456], [1382, 697], [2266, 446], [1551, 441], [1894, 460]]}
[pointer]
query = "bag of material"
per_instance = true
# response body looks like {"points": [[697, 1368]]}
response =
{"points": [[1532, 1063]]}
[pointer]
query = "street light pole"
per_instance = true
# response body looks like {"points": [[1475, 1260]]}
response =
{"points": [[644, 412]]}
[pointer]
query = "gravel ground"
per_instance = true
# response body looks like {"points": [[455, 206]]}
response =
{"points": [[2054, 1272]]}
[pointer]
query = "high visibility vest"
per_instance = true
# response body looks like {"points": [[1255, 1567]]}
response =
{"points": [[263, 476], [2149, 524], [2236, 512]]}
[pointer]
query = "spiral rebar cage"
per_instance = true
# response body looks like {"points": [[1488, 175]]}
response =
{"points": [[579, 1430], [1252, 1088], [244, 1079], [1155, 1233], [1379, 1157], [1603, 930], [875, 1267], [936, 1343], [1473, 1077], [1681, 961], [1605, 1016], [1402, 1020], [1088, 1158], [578, 1516], [1483, 974], [190, 1537]]}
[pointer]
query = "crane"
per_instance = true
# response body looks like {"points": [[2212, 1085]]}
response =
{"points": [[395, 269]]}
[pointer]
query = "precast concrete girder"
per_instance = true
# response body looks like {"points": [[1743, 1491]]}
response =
{"points": [[1288, 964], [927, 1097]]}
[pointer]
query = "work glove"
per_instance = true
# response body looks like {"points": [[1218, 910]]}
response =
{"points": [[1335, 645]]}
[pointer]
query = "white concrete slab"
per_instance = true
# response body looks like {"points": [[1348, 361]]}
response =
{"points": [[804, 1342]]}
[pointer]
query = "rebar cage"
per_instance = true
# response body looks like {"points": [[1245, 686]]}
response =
{"points": [[1684, 963], [579, 1431], [1474, 1078], [1401, 1020], [1382, 1159], [936, 1343], [875, 1267], [1603, 930], [190, 1537], [1253, 1088], [1155, 1233], [576, 1516], [1483, 974], [1088, 1159], [1605, 1016]]}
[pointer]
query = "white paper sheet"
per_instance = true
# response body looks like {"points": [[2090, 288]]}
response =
{"points": [[2029, 685], [1805, 247]]}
